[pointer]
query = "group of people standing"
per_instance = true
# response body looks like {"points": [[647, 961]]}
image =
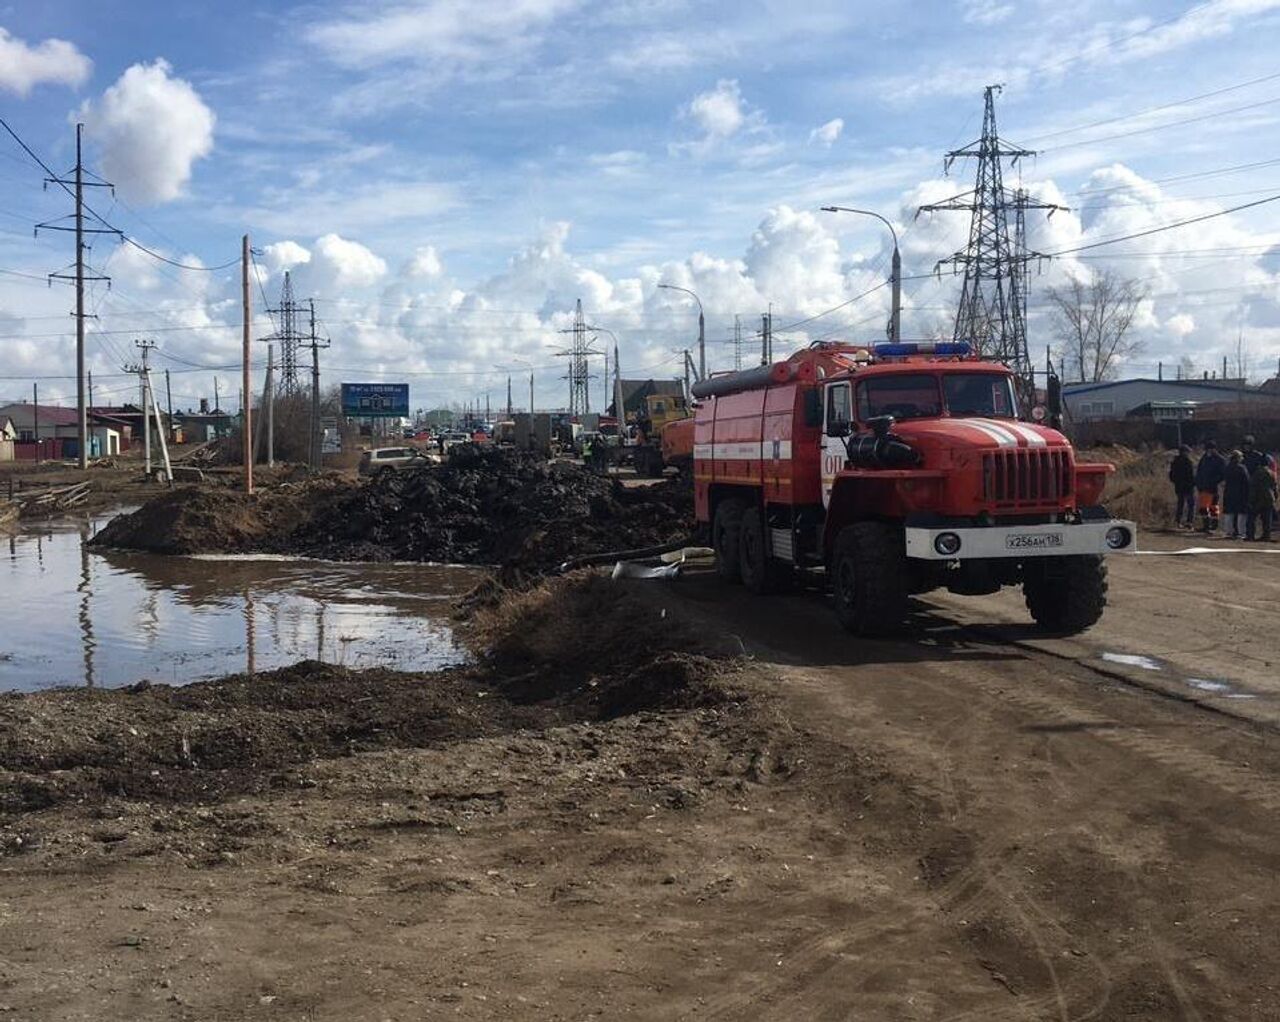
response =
{"points": [[1237, 491]]}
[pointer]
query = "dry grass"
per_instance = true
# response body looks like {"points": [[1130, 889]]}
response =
{"points": [[1139, 490]]}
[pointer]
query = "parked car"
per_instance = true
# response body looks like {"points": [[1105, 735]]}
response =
{"points": [[389, 459]]}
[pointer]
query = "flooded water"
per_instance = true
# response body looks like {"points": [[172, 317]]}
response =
{"points": [[75, 616]]}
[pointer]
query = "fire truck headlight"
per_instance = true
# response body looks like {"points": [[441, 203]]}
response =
{"points": [[946, 543], [1119, 537]]}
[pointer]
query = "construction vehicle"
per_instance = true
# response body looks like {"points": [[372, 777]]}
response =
{"points": [[653, 450], [897, 470]]}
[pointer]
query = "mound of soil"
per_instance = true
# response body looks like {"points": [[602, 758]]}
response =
{"points": [[485, 505]]}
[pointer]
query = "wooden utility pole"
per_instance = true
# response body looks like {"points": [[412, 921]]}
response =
{"points": [[245, 415]]}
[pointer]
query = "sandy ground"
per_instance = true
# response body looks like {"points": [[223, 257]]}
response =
{"points": [[969, 823]]}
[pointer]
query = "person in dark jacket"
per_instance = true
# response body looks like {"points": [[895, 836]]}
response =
{"points": [[1235, 497], [1182, 473], [1262, 499], [1253, 458], [1210, 471]]}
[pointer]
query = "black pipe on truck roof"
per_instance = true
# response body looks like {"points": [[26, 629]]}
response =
{"points": [[745, 379]]}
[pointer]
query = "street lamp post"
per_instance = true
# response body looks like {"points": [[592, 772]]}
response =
{"points": [[895, 279], [702, 329], [618, 410]]}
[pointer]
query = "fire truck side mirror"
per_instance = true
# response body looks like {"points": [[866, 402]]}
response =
{"points": [[881, 424]]}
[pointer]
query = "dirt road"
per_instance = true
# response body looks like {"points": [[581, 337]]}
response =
{"points": [[964, 824]]}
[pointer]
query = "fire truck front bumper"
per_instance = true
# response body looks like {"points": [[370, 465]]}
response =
{"points": [[1112, 536]]}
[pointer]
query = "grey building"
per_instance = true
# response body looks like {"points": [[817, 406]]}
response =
{"points": [[1115, 399]]}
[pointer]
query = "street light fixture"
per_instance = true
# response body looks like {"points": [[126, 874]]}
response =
{"points": [[895, 315], [702, 329]]}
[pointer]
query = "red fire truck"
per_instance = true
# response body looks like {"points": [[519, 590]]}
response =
{"points": [[898, 469]]}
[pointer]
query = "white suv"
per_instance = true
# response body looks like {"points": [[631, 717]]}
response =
{"points": [[390, 459]]}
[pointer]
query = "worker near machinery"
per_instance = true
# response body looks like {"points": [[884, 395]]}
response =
{"points": [[1210, 471], [1262, 499], [1182, 473], [1235, 497]]}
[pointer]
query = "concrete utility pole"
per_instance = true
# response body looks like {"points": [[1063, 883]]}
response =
{"points": [[531, 396], [246, 424], [702, 329], [895, 274], [144, 397], [78, 183], [168, 400], [315, 388], [35, 417]]}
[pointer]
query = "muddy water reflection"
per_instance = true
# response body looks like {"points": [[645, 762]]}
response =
{"points": [[76, 616]]}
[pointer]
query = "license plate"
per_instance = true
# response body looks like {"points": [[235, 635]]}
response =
{"points": [[1032, 540]]}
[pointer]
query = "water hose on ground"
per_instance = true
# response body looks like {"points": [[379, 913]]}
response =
{"points": [[624, 555]]}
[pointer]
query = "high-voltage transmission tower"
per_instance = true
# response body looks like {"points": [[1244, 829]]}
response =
{"points": [[579, 374], [992, 310], [289, 335]]}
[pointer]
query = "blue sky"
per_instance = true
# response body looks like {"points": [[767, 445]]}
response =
{"points": [[446, 177]]}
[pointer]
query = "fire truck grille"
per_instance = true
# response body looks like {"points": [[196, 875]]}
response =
{"points": [[1024, 478]]}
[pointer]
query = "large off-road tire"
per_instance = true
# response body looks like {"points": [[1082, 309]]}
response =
{"points": [[869, 578], [1065, 595], [761, 574], [726, 539]]}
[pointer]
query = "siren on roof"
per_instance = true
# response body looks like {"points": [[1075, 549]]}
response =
{"points": [[903, 349]]}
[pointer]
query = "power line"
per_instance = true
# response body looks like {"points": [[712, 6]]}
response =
{"points": [[1161, 127], [126, 238], [1166, 227], [1155, 109]]}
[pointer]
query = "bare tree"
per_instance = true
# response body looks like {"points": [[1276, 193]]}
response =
{"points": [[1092, 320]]}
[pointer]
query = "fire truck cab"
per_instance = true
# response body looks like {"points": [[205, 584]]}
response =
{"points": [[899, 469]]}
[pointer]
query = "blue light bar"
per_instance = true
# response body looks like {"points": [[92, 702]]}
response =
{"points": [[887, 350], [891, 350]]}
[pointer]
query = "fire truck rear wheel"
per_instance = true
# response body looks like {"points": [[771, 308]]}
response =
{"points": [[760, 573], [726, 539], [869, 578], [1066, 595]]}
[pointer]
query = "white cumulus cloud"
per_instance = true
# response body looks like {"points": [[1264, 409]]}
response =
{"points": [[23, 67], [152, 128], [425, 263], [720, 111], [285, 255], [341, 263], [826, 134]]}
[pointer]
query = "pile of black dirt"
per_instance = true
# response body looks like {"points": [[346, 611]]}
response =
{"points": [[489, 505]]}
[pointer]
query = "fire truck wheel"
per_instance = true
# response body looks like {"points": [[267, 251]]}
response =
{"points": [[760, 573], [1066, 595], [868, 578], [726, 539]]}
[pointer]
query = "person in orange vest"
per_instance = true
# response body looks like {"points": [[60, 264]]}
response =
{"points": [[1210, 472]]}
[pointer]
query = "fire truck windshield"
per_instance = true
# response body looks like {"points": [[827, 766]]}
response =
{"points": [[917, 396], [904, 396], [981, 395]]}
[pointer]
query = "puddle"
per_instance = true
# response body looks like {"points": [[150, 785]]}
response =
{"points": [[110, 618], [1132, 660], [1210, 686]]}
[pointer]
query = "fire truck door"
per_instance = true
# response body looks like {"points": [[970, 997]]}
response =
{"points": [[837, 423]]}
